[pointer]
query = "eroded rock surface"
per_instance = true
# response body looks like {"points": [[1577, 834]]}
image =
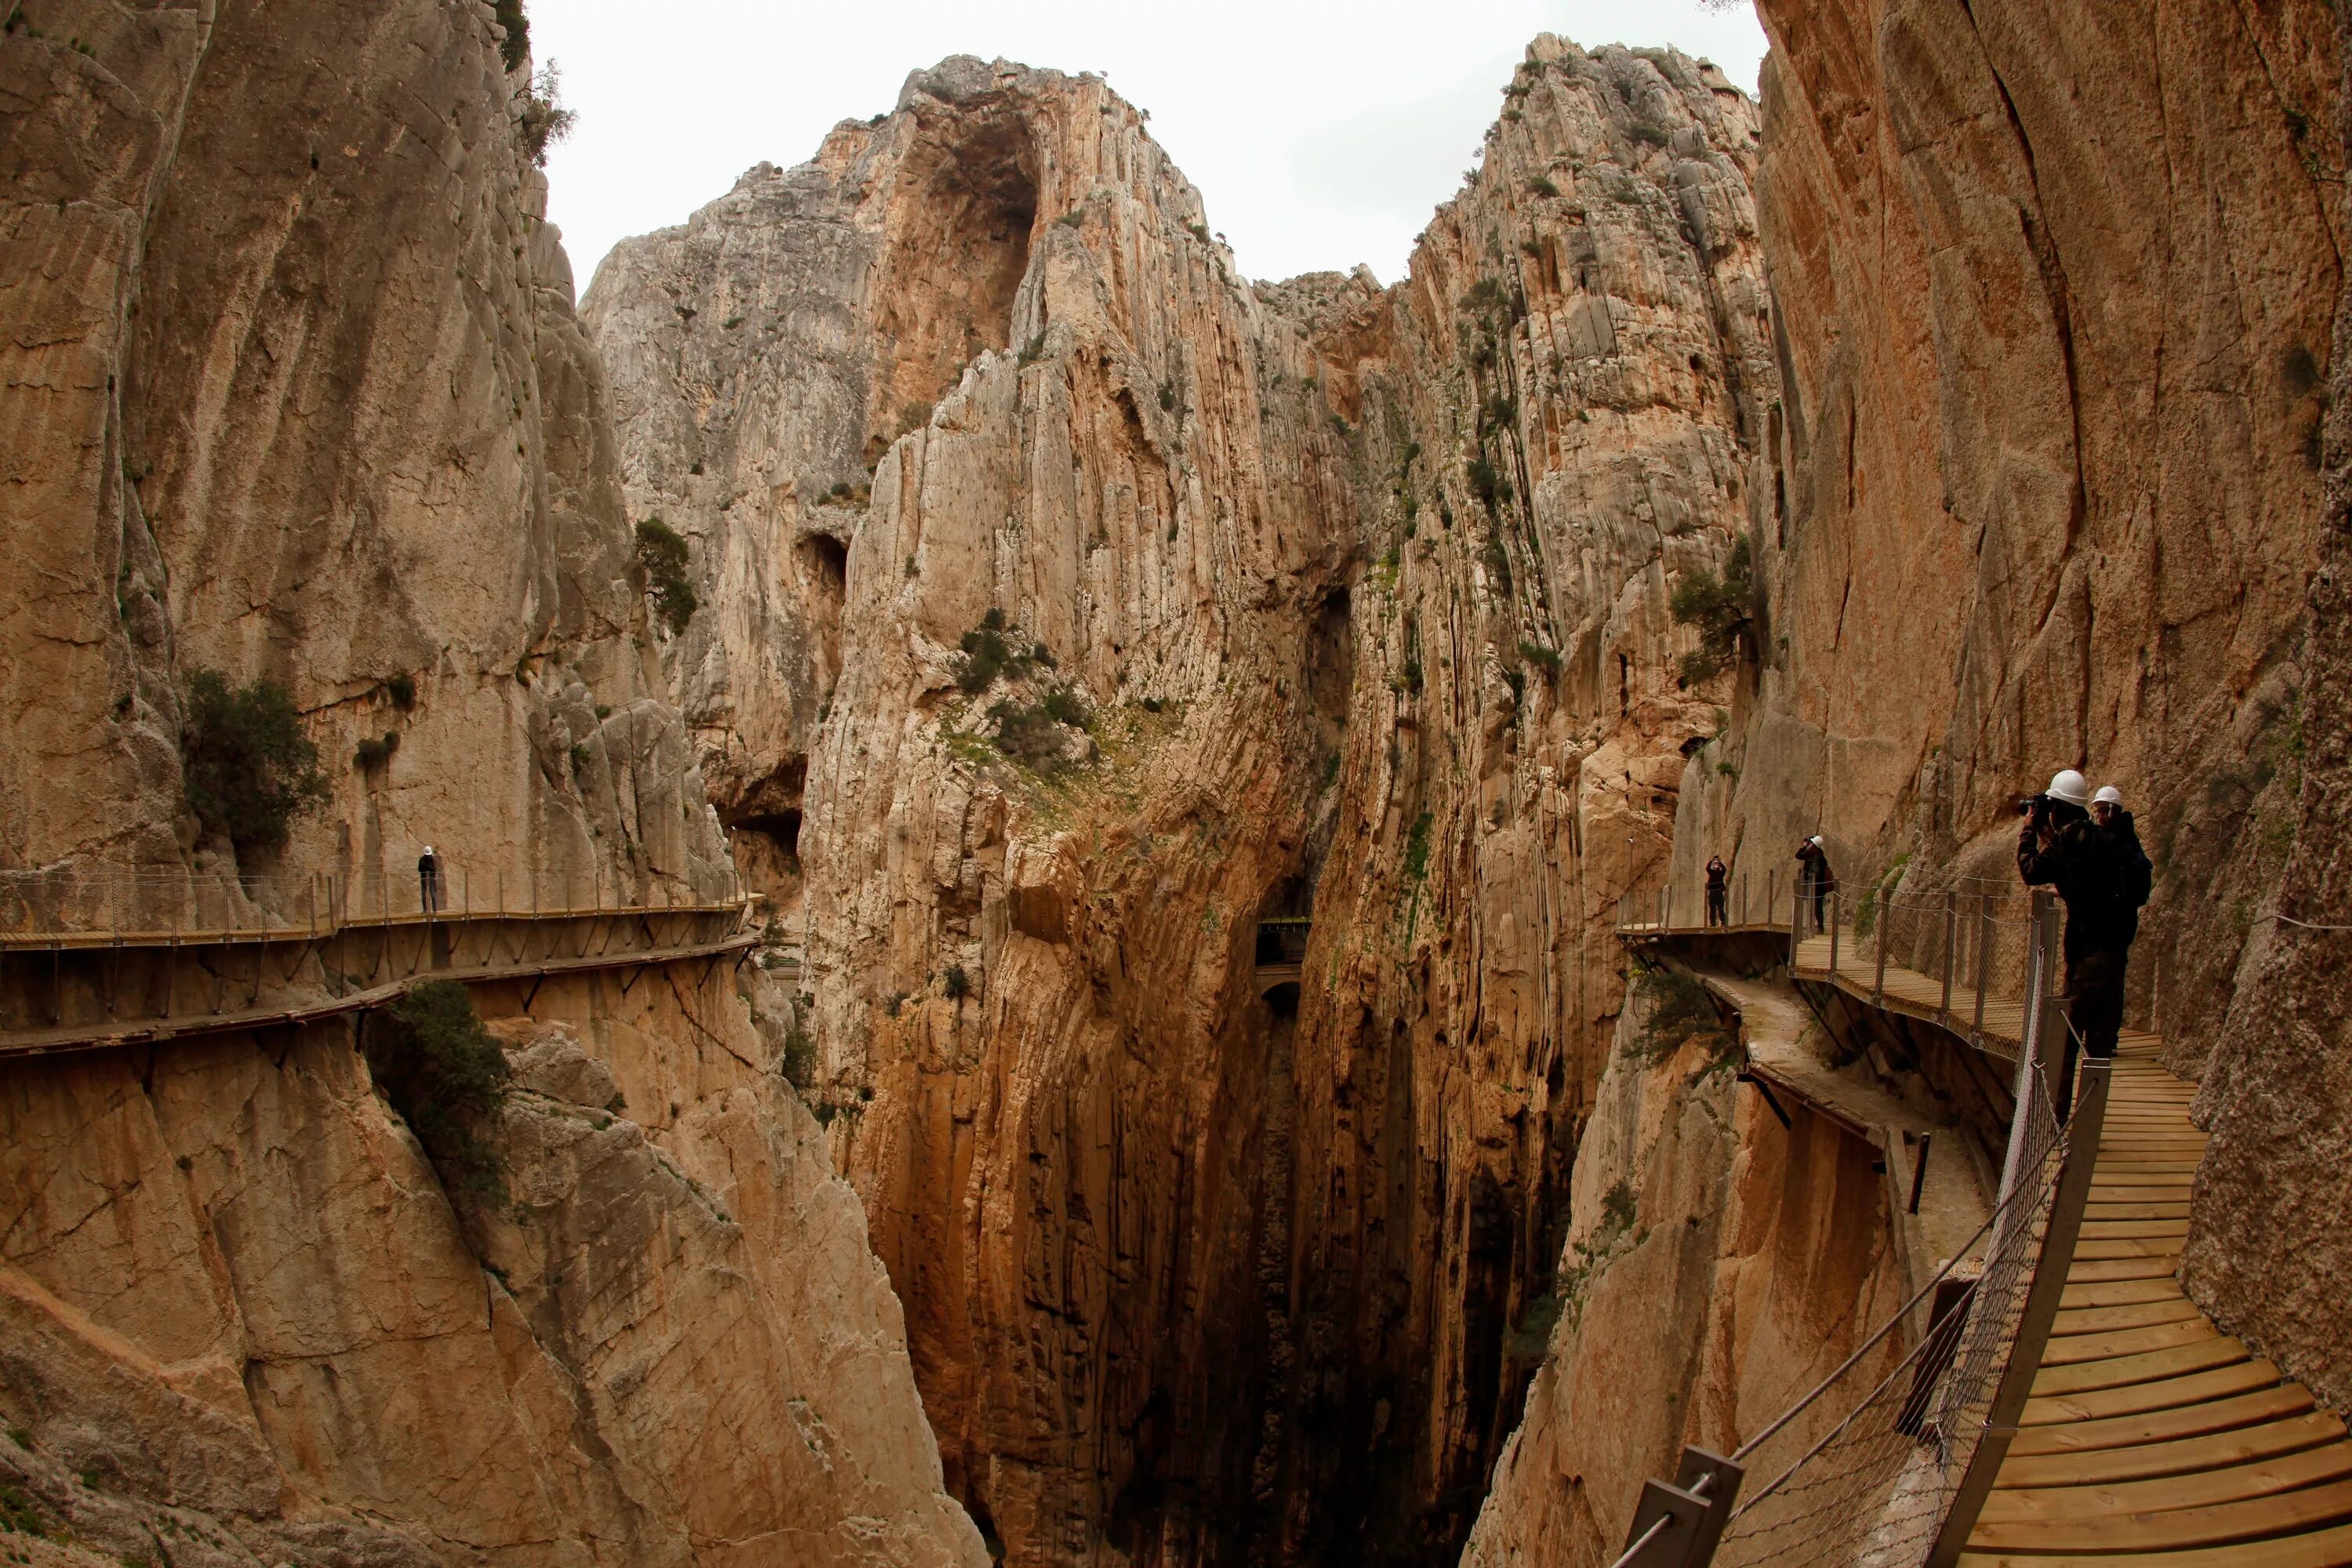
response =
{"points": [[1365, 590]]}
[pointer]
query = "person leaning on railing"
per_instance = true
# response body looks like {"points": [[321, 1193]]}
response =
{"points": [[2101, 874]]}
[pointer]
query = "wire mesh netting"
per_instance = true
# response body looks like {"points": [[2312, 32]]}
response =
{"points": [[1862, 1470]]}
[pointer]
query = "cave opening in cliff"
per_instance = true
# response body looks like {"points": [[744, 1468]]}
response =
{"points": [[959, 241], [825, 588]]}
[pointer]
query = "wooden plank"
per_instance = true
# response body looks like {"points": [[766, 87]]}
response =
{"points": [[2191, 1418], [2265, 1477], [2123, 1344], [2174, 1308], [2162, 1394], [2246, 1519], [2118, 1371], [2112, 1209], [2118, 1251], [2117, 1229], [2181, 1459], [2139, 1265], [2323, 1549], [2117, 1293]]}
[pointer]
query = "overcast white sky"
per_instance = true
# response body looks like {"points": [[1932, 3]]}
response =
{"points": [[1319, 134]]}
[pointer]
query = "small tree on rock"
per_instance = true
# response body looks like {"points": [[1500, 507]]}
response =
{"points": [[1723, 612], [661, 555], [248, 768]]}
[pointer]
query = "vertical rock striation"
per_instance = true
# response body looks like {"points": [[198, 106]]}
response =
{"points": [[1365, 592], [296, 391]]}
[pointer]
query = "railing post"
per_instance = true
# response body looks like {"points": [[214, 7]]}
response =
{"points": [[1837, 920], [1951, 930], [1666, 920], [1679, 1526], [1984, 943], [1884, 913]]}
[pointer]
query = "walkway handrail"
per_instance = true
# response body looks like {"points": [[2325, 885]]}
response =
{"points": [[77, 905], [1898, 1468]]}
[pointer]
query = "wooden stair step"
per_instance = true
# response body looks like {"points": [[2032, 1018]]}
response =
{"points": [[2181, 1459], [2194, 1387], [2174, 1308], [2117, 1371], [2122, 1344], [2249, 1518], [2279, 1401], [2330, 1548], [2081, 1296], [2097, 1271]]}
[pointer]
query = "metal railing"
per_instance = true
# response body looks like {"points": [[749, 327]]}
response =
{"points": [[166, 904], [1886, 1462]]}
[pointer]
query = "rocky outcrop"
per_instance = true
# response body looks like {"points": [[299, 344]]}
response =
{"points": [[2053, 303], [2267, 1251], [296, 393], [237, 1307], [1365, 592], [2052, 308]]}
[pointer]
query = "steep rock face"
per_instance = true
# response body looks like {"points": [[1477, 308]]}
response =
{"points": [[2054, 297], [2267, 1249], [297, 393], [237, 1297], [1365, 592]]}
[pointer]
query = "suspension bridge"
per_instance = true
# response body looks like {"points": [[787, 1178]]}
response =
{"points": [[2052, 1397]]}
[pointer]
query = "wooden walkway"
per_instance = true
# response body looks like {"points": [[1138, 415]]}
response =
{"points": [[2152, 1439]]}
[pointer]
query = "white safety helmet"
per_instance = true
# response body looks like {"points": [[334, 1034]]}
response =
{"points": [[2108, 796], [2070, 787], [1815, 840]]}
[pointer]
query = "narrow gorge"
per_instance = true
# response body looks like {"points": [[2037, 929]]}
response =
{"points": [[1033, 829]]}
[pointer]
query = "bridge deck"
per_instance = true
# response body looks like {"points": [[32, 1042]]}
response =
{"points": [[2152, 1439]]}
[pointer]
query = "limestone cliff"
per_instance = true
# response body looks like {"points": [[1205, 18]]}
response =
{"points": [[294, 390], [2053, 300], [2268, 1252], [1363, 594]]}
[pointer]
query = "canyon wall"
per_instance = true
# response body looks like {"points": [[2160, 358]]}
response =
{"points": [[1208, 1253], [2267, 1247], [296, 392], [2053, 296], [240, 1323]]}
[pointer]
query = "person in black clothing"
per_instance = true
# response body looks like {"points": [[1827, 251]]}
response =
{"points": [[1813, 875], [428, 880], [2096, 870], [1718, 875]]}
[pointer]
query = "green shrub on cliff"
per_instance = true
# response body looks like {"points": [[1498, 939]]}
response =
{"points": [[517, 46], [1723, 612], [661, 555], [246, 767], [1676, 1009], [447, 1077]]}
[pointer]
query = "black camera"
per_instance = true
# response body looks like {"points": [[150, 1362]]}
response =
{"points": [[2034, 806]]}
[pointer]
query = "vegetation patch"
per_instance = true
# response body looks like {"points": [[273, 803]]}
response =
{"points": [[246, 767], [661, 555], [1677, 1008], [1722, 610], [444, 1075]]}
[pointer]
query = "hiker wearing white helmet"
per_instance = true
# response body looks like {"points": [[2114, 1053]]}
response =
{"points": [[2092, 867], [1815, 878], [428, 880]]}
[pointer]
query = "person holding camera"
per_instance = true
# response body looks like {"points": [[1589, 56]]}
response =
{"points": [[1718, 892], [2091, 865]]}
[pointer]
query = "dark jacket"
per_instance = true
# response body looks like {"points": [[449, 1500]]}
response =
{"points": [[428, 868], [1813, 867], [2121, 837], [1718, 873], [2087, 869]]}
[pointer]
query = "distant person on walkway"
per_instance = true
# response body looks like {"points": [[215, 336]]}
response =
{"points": [[2097, 869], [1815, 878], [1718, 894], [428, 880]]}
